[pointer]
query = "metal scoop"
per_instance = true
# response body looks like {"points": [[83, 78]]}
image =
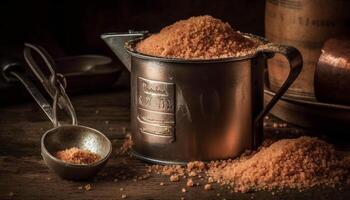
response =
{"points": [[62, 137]]}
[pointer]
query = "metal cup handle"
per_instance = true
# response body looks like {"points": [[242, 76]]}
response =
{"points": [[295, 64]]}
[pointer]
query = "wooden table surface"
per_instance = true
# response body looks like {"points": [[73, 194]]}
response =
{"points": [[23, 174]]}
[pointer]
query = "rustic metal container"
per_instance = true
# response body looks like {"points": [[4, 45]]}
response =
{"points": [[304, 24], [332, 76], [185, 110]]}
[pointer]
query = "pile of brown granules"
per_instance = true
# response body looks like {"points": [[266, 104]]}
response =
{"points": [[289, 163], [75, 155], [299, 163], [202, 37]]}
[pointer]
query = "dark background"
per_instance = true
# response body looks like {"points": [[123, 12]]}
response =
{"points": [[68, 28], [74, 27]]}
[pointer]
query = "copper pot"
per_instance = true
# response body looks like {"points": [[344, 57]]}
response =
{"points": [[304, 24], [332, 77]]}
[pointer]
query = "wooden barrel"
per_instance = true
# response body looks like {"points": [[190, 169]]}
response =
{"points": [[304, 24]]}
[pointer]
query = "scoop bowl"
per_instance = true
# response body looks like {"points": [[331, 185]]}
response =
{"points": [[67, 136]]}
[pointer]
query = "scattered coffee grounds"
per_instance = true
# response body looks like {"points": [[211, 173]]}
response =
{"points": [[77, 156], [202, 37], [299, 163]]}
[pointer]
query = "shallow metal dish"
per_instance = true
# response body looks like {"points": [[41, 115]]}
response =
{"points": [[87, 73], [84, 73], [310, 114]]}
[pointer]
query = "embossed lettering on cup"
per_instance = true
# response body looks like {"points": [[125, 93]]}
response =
{"points": [[156, 110]]}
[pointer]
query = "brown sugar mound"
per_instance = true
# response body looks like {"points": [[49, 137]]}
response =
{"points": [[202, 37], [289, 163], [299, 163], [77, 156]]}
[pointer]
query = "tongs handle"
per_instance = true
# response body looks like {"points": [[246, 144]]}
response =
{"points": [[12, 70], [54, 84], [34, 92]]}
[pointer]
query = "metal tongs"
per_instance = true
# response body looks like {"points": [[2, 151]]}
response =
{"points": [[55, 84], [60, 137]]}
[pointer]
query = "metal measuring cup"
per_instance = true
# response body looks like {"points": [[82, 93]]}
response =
{"points": [[61, 137]]}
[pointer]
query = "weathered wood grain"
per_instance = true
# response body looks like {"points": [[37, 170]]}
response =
{"points": [[23, 174]]}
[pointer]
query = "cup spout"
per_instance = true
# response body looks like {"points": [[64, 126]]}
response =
{"points": [[116, 42]]}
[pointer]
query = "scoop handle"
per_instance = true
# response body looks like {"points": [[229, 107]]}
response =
{"points": [[295, 65]]}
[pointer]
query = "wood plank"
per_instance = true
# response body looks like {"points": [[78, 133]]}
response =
{"points": [[23, 174]]}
